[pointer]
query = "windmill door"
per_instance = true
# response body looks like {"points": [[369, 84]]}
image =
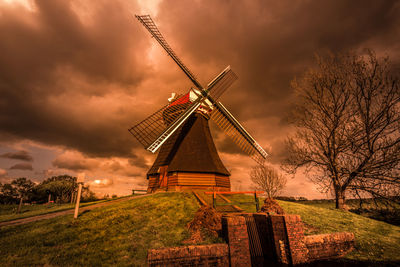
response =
{"points": [[163, 176]]}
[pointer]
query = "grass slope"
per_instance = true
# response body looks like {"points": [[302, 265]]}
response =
{"points": [[375, 240], [119, 234], [378, 211], [8, 212]]}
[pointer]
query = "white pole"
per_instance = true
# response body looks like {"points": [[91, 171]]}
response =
{"points": [[78, 200]]}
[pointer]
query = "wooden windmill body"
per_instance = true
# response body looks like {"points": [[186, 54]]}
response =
{"points": [[188, 158]]}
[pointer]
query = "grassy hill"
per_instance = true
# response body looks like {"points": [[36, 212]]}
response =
{"points": [[375, 240], [121, 234], [8, 212]]}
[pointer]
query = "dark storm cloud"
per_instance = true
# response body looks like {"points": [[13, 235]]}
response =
{"points": [[228, 146], [58, 62], [35, 44], [22, 166], [62, 52], [138, 161], [74, 163], [19, 155], [70, 165], [132, 174], [268, 43]]}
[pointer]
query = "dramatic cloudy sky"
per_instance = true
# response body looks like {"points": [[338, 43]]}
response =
{"points": [[75, 75]]}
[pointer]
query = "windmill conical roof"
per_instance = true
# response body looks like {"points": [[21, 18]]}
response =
{"points": [[190, 149]]}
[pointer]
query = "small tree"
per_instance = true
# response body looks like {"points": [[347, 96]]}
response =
{"points": [[23, 187], [266, 178], [347, 120], [8, 194], [60, 187], [88, 195]]}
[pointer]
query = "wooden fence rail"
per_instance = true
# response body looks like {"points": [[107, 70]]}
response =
{"points": [[256, 200]]}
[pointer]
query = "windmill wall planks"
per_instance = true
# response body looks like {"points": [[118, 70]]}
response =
{"points": [[188, 181]]}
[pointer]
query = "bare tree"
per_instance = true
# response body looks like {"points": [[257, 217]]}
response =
{"points": [[347, 120], [266, 178]]}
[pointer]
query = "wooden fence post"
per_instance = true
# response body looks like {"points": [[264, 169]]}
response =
{"points": [[78, 200], [214, 200], [80, 180], [257, 202]]}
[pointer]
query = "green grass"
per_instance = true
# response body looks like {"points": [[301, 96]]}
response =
{"points": [[235, 200], [121, 234], [8, 212], [369, 207], [390, 214], [350, 203], [239, 199], [118, 234], [375, 240]]}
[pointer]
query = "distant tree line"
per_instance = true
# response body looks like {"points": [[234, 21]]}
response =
{"points": [[292, 199], [60, 189]]}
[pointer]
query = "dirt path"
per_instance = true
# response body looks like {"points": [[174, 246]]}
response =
{"points": [[64, 212]]}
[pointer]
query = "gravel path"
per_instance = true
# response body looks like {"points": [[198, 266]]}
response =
{"points": [[64, 212]]}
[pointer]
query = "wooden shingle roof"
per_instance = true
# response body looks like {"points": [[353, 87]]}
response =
{"points": [[190, 149]]}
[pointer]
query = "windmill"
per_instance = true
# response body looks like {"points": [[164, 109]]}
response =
{"points": [[188, 158]]}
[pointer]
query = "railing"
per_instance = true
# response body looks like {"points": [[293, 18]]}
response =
{"points": [[255, 202]]}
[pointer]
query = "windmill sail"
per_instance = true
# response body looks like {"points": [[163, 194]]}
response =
{"points": [[228, 75], [225, 120], [157, 128], [152, 28], [157, 125], [218, 86]]}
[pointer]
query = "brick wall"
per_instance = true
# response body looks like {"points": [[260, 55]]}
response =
{"points": [[205, 255], [329, 245], [295, 237], [257, 240], [235, 232]]}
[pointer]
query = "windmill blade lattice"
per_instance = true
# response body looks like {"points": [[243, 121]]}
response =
{"points": [[225, 120], [153, 126], [222, 82], [149, 24], [229, 78]]}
